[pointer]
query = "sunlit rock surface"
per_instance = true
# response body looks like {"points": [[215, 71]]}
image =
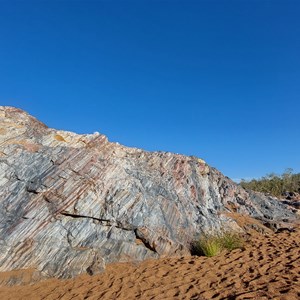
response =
{"points": [[70, 203]]}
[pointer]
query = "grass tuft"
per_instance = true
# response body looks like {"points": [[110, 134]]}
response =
{"points": [[231, 240], [213, 244], [209, 246]]}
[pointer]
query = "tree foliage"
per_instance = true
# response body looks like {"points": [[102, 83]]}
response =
{"points": [[276, 185]]}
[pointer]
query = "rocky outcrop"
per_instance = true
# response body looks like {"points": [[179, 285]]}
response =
{"points": [[292, 199], [70, 203]]}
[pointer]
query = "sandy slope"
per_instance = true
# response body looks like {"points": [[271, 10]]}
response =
{"points": [[267, 268]]}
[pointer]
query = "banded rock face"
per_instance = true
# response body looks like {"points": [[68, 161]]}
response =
{"points": [[70, 203]]}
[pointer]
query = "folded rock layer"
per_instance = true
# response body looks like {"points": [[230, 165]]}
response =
{"points": [[71, 203]]}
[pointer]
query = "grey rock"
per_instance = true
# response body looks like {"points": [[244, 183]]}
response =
{"points": [[70, 204]]}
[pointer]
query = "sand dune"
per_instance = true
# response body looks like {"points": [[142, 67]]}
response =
{"points": [[267, 268]]}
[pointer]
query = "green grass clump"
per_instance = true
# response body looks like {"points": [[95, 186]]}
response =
{"points": [[231, 240], [214, 244], [209, 246]]}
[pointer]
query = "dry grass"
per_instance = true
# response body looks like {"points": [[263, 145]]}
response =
{"points": [[213, 244]]}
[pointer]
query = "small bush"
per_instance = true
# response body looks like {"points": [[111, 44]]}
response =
{"points": [[276, 185], [212, 245]]}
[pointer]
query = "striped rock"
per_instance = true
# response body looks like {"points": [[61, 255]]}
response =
{"points": [[70, 204]]}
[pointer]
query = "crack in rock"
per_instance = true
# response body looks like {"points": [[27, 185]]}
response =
{"points": [[103, 222], [144, 241]]}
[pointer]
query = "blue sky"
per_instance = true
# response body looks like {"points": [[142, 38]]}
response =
{"points": [[215, 79]]}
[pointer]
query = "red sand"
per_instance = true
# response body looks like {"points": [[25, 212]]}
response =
{"points": [[267, 268]]}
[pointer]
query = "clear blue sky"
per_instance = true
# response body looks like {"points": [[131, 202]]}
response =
{"points": [[215, 79]]}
